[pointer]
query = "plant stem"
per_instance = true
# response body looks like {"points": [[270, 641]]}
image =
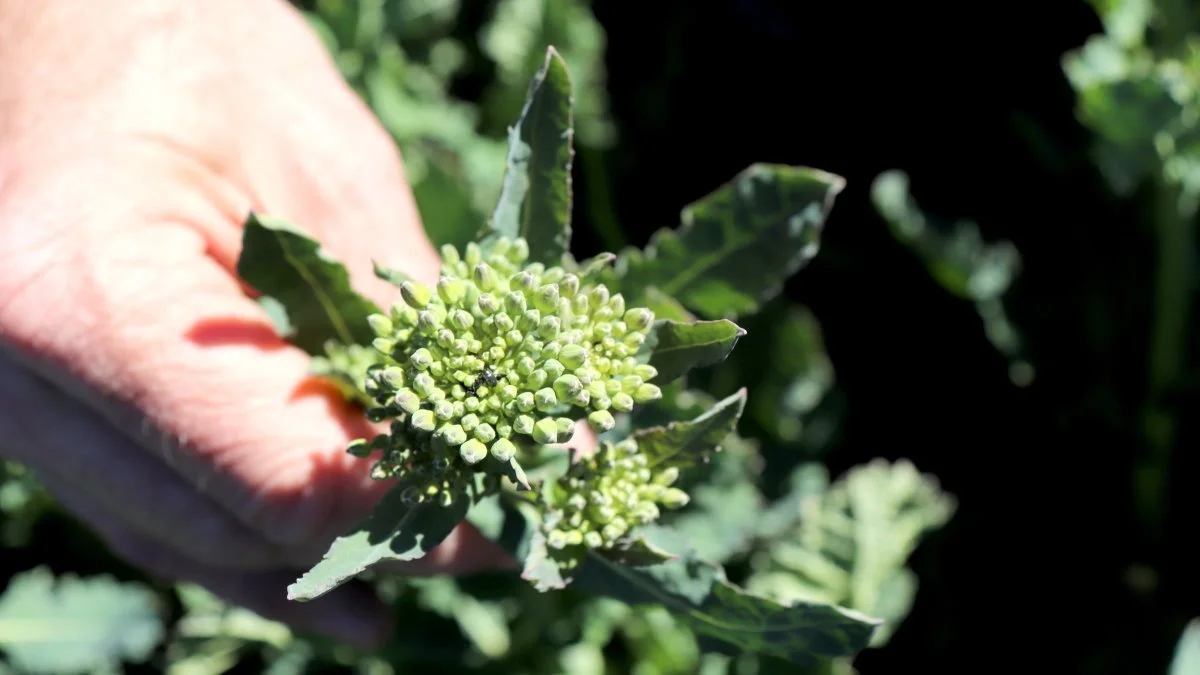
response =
{"points": [[1167, 342]]}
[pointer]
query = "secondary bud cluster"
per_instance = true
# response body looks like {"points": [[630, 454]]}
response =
{"points": [[609, 494], [497, 356]]}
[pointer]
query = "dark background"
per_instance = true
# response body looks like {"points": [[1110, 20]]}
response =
{"points": [[1045, 565]]}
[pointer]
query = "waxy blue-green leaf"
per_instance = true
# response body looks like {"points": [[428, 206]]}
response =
{"points": [[535, 198], [674, 347], [73, 625], [393, 531], [684, 444], [282, 262], [635, 551], [736, 246], [698, 593]]}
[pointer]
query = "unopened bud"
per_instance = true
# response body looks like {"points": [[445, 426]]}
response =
{"points": [[573, 356], [472, 451], [602, 420], [545, 431], [639, 318], [415, 294], [503, 449], [424, 420], [381, 324]]}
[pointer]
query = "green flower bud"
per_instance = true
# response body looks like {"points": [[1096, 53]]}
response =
{"points": [[557, 539], [473, 254], [573, 356], [449, 255], [429, 321], [548, 327], [422, 358], [359, 447], [519, 251], [503, 449], [415, 294], [574, 538], [381, 324], [647, 393], [630, 383], [667, 476], [407, 400], [545, 399], [580, 306], [472, 451], [452, 434], [514, 303], [537, 379], [569, 285], [546, 298], [488, 304], [525, 366], [545, 431], [602, 420], [674, 498], [529, 321], [504, 428], [551, 350], [617, 304], [525, 401], [392, 376], [451, 291], [383, 345], [469, 421], [598, 297], [593, 539], [424, 420], [485, 432], [645, 371], [526, 281], [523, 424], [565, 427], [639, 318], [622, 402], [503, 322], [567, 387], [443, 409], [486, 277], [423, 384], [461, 320], [554, 368]]}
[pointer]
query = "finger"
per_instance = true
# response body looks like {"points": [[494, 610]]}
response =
{"points": [[180, 361], [101, 477]]}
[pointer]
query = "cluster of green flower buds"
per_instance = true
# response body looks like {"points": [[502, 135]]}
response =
{"points": [[603, 497], [501, 355]]}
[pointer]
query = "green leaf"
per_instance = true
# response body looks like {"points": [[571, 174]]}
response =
{"points": [[1187, 651], [76, 625], [685, 444], [346, 366], [698, 593], [675, 348], [514, 527], [393, 276], [284, 263], [736, 246], [535, 200], [636, 552], [394, 531]]}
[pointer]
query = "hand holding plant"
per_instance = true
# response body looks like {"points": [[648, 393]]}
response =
{"points": [[137, 378]]}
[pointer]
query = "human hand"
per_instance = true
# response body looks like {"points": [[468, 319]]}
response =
{"points": [[137, 378]]}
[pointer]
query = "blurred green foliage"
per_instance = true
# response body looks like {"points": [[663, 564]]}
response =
{"points": [[772, 514]]}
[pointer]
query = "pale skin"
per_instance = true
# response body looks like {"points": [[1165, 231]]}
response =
{"points": [[138, 378]]}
